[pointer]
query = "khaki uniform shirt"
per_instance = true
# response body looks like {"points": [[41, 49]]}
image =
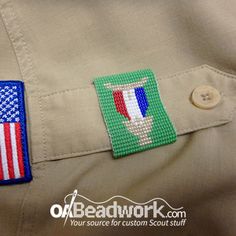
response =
{"points": [[59, 47]]}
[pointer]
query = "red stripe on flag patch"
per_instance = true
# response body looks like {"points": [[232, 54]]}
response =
{"points": [[19, 148], [9, 150], [1, 170]]}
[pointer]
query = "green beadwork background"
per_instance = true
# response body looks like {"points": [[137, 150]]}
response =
{"points": [[124, 142]]}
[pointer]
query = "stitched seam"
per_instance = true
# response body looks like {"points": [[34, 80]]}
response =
{"points": [[12, 47], [66, 91], [44, 134], [25, 64], [207, 125], [176, 75], [90, 87], [64, 155], [161, 78], [36, 213], [23, 57], [218, 122], [17, 40], [230, 76], [69, 90], [179, 132], [214, 123], [22, 213]]}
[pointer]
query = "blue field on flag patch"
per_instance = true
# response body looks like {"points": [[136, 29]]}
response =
{"points": [[14, 157]]}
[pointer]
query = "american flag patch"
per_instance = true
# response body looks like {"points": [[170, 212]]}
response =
{"points": [[14, 158]]}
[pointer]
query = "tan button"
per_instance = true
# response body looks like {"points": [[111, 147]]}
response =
{"points": [[205, 97]]}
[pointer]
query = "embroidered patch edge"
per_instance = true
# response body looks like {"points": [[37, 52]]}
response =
{"points": [[23, 132]]}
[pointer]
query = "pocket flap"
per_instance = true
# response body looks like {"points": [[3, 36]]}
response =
{"points": [[73, 124]]}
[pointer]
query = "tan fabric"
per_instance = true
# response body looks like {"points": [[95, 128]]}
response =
{"points": [[58, 47], [60, 109]]}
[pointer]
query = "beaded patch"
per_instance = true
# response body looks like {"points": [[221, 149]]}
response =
{"points": [[14, 159], [133, 112]]}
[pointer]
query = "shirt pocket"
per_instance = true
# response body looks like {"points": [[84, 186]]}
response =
{"points": [[71, 123]]}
